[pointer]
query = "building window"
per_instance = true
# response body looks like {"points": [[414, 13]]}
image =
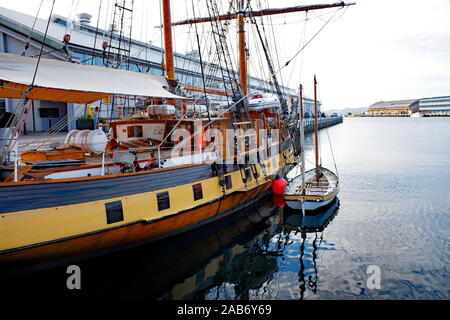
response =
{"points": [[114, 212], [163, 200], [48, 112], [198, 192]]}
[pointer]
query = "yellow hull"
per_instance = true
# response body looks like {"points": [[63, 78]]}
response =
{"points": [[63, 230]]}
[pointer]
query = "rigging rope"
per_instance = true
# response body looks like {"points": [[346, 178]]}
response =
{"points": [[96, 32], [27, 44], [309, 41], [332, 153], [17, 118], [302, 41]]}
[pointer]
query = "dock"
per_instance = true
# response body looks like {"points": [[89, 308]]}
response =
{"points": [[322, 123]]}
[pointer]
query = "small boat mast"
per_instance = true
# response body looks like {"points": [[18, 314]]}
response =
{"points": [[302, 137], [315, 129]]}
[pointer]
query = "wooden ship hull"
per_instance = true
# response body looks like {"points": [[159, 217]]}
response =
{"points": [[93, 202], [60, 219]]}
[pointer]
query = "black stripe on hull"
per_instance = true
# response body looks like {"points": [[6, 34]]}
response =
{"points": [[37, 196]]}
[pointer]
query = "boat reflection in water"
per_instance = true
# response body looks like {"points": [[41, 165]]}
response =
{"points": [[241, 257], [316, 223]]}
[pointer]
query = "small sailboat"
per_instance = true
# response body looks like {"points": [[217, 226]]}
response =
{"points": [[317, 187]]}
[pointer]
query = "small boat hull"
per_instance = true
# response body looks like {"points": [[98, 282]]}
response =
{"points": [[308, 205], [312, 197], [264, 102]]}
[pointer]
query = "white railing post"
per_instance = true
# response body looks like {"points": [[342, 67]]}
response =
{"points": [[16, 160], [103, 164], [159, 157]]}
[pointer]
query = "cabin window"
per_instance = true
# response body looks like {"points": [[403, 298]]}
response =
{"points": [[134, 131], [228, 183], [114, 211], [163, 200], [198, 192]]}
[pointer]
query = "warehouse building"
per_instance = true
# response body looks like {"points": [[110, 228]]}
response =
{"points": [[393, 108]]}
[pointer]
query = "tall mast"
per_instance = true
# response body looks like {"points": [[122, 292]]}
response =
{"points": [[168, 47], [242, 54], [315, 128]]}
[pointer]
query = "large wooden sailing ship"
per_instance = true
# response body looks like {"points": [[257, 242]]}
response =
{"points": [[151, 177]]}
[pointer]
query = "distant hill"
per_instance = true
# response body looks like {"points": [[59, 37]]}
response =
{"points": [[345, 111]]}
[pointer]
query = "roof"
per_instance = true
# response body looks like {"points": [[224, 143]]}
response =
{"points": [[71, 82], [444, 98], [79, 33], [435, 103], [395, 104]]}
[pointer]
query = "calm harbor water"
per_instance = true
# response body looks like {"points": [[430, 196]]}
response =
{"points": [[393, 213]]}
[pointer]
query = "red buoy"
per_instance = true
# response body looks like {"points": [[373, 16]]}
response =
{"points": [[278, 185]]}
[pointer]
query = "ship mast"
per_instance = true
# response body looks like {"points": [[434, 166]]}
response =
{"points": [[242, 54], [315, 129], [168, 45]]}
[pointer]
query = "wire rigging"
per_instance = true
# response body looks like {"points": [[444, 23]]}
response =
{"points": [[306, 44], [27, 44], [21, 107]]}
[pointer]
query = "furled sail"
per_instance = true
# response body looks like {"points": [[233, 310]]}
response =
{"points": [[70, 82]]}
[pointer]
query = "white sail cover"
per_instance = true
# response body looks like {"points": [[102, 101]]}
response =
{"points": [[68, 81]]}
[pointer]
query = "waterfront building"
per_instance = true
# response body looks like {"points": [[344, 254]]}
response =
{"points": [[86, 46], [393, 108], [435, 106]]}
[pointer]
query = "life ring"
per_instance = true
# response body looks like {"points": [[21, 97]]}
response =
{"points": [[66, 38]]}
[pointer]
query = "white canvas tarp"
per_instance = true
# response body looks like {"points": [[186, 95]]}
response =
{"points": [[68, 81]]}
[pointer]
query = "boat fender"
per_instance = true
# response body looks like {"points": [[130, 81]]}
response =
{"points": [[278, 185]]}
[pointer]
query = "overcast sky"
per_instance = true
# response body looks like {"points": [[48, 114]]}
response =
{"points": [[375, 50]]}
